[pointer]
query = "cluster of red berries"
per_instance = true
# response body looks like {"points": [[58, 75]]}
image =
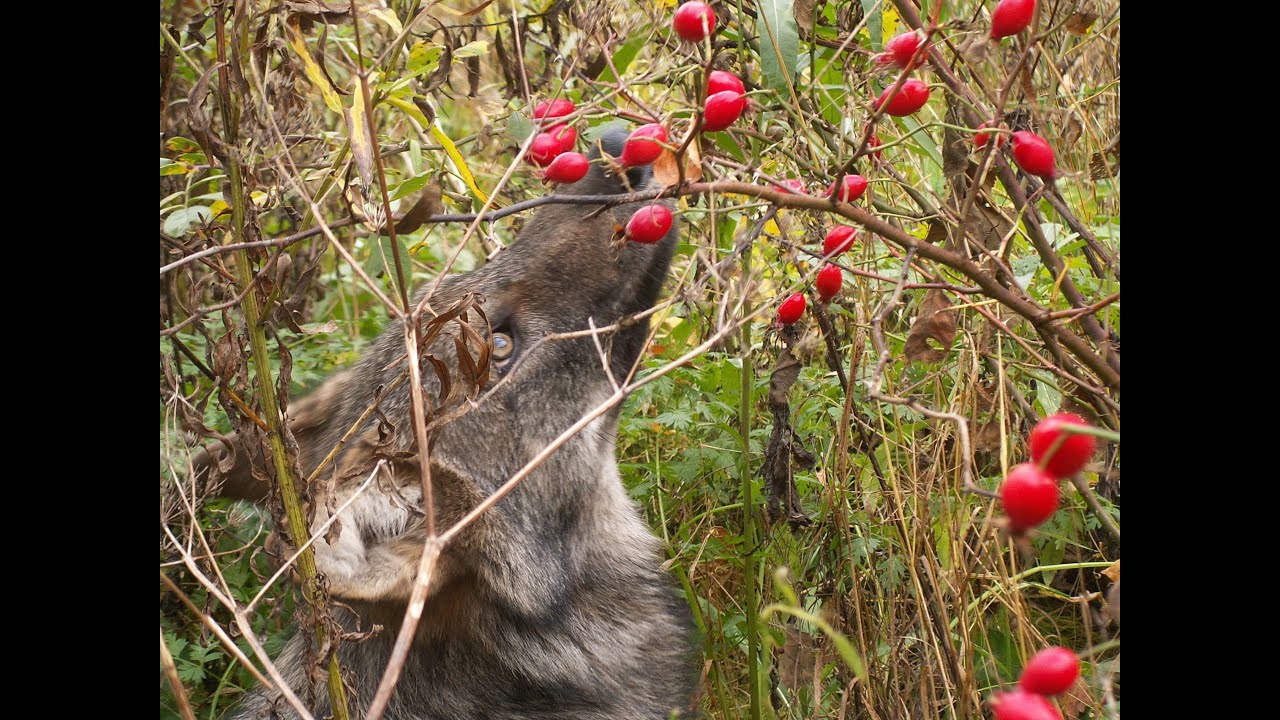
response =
{"points": [[1051, 672], [1029, 493], [904, 51], [552, 148], [1032, 152], [726, 97], [650, 223]]}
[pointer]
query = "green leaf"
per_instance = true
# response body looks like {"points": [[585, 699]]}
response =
{"points": [[183, 219], [424, 58], [1049, 396], [1024, 269], [475, 48], [409, 186], [518, 127], [871, 11], [169, 167], [622, 59], [779, 45]]}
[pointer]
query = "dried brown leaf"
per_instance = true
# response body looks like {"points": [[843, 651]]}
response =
{"points": [[802, 656], [1075, 700], [1112, 573], [803, 10], [987, 437], [667, 172], [1079, 23], [428, 204], [936, 321], [987, 226]]}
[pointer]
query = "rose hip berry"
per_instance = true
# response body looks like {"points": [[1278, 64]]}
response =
{"points": [[649, 224], [694, 21], [1034, 155], [643, 146], [721, 110], [980, 140], [839, 239], [793, 185], [851, 188], [1011, 17], [873, 143], [1029, 496], [911, 97], [566, 135], [901, 49], [721, 81], [791, 309], [544, 149], [1074, 452], [1022, 705], [1051, 672], [551, 109], [568, 167], [828, 283]]}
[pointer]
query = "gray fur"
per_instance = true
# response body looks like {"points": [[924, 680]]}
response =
{"points": [[552, 604]]}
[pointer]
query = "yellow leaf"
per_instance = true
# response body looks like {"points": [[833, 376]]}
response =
{"points": [[314, 73], [475, 48], [389, 18], [410, 109], [459, 162], [358, 134], [888, 24]]}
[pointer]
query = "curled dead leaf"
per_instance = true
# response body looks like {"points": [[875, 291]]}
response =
{"points": [[667, 171], [937, 322]]}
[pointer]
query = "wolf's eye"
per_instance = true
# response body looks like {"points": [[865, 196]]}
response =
{"points": [[504, 346]]}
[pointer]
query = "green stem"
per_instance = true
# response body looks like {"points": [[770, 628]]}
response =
{"points": [[294, 513]]}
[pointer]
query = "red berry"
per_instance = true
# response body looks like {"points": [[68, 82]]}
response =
{"points": [[839, 239], [694, 21], [873, 142], [566, 135], [1074, 452], [828, 284], [1051, 672], [911, 97], [1020, 705], [568, 167], [980, 139], [1029, 496], [642, 145], [1011, 17], [721, 110], [649, 224], [551, 109], [720, 81], [1034, 155], [791, 309], [851, 188], [901, 49], [793, 185], [544, 149]]}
